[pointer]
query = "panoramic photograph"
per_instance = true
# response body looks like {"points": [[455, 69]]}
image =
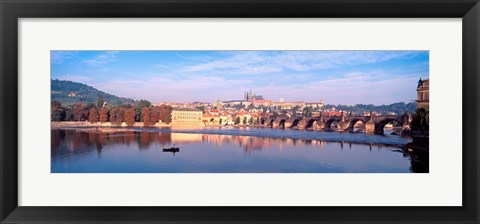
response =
{"points": [[237, 111]]}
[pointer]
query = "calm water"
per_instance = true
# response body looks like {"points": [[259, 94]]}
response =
{"points": [[232, 150]]}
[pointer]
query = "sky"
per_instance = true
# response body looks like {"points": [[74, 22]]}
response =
{"points": [[336, 77]]}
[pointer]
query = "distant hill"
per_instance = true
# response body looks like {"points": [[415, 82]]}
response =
{"points": [[68, 92]]}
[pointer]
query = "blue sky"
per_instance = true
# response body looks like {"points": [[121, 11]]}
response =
{"points": [[337, 77]]}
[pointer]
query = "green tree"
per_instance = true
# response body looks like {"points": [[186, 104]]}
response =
{"points": [[69, 115], [237, 120], [89, 106], [420, 120], [245, 120], [57, 112], [100, 102], [251, 120], [294, 110], [307, 112], [139, 107], [202, 108], [220, 121]]}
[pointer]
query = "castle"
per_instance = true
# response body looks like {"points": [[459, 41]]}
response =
{"points": [[250, 97]]}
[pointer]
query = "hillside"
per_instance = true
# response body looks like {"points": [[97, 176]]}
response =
{"points": [[68, 92]]}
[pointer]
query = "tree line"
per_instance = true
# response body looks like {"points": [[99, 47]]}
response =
{"points": [[420, 120], [398, 108], [141, 111]]}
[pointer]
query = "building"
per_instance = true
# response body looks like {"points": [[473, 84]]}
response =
{"points": [[232, 103], [288, 105], [423, 93], [211, 119], [243, 116], [262, 102], [256, 99], [315, 104], [187, 117]]}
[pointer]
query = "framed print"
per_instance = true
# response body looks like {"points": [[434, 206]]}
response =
{"points": [[250, 112]]}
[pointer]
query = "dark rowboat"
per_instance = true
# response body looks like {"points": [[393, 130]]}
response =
{"points": [[171, 149]]}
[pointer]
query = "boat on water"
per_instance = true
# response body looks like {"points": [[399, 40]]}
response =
{"points": [[171, 149]]}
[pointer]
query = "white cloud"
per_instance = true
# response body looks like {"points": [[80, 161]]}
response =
{"points": [[101, 59], [258, 62], [58, 57], [161, 66]]}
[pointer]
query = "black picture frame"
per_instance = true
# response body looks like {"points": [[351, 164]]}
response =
{"points": [[12, 10]]}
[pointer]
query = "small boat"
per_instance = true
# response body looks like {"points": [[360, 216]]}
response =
{"points": [[171, 149]]}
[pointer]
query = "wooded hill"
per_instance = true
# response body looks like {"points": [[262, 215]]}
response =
{"points": [[68, 93]]}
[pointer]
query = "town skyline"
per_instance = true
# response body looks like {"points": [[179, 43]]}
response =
{"points": [[337, 77]]}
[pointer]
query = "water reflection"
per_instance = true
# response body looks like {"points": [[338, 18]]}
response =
{"points": [[140, 151]]}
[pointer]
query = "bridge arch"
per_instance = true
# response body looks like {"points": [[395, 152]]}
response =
{"points": [[310, 123], [352, 123], [262, 121], [271, 123], [330, 121], [295, 122], [381, 124], [282, 124]]}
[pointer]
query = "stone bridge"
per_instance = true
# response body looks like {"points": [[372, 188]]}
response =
{"points": [[339, 123]]}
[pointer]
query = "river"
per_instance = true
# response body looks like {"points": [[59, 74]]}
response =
{"points": [[226, 150]]}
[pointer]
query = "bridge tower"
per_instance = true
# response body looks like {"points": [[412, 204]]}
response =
{"points": [[370, 125]]}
